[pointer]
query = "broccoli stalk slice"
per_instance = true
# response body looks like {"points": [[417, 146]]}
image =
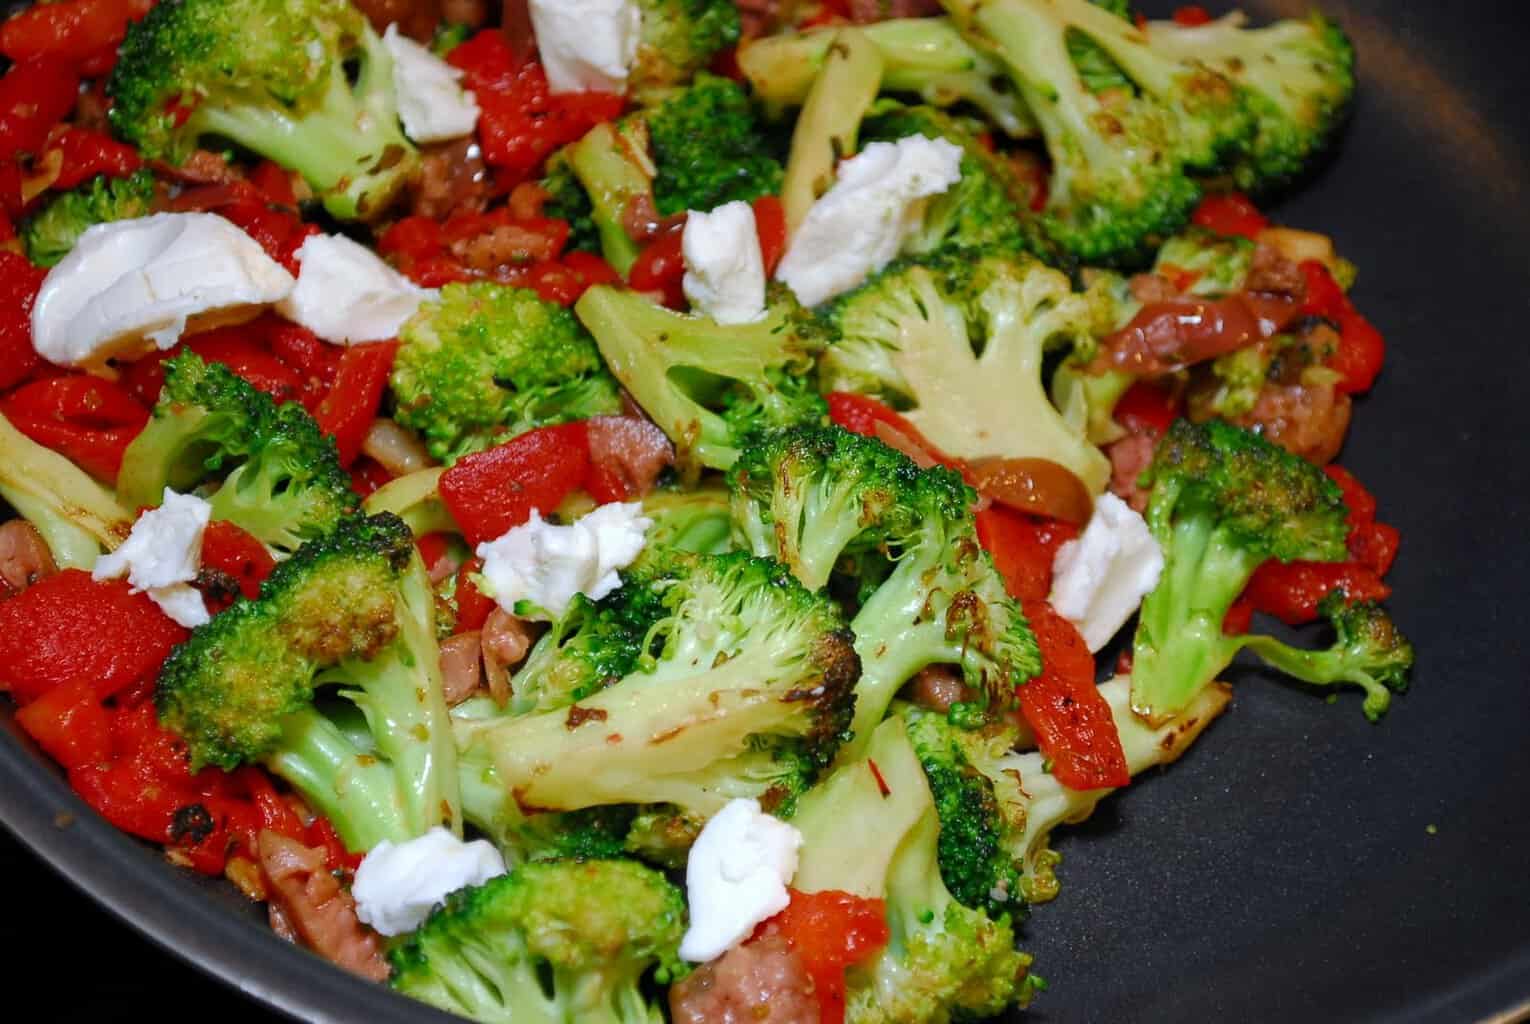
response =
{"points": [[616, 171], [927, 57], [416, 499], [845, 87], [706, 385], [1036, 803], [77, 517]]}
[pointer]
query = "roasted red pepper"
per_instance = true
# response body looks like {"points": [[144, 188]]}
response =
{"points": [[90, 420], [1023, 548], [1230, 213], [347, 412], [19, 282], [770, 225], [237, 554], [660, 268], [488, 492], [1147, 409], [86, 154], [70, 30], [830, 931], [35, 94], [473, 607]]}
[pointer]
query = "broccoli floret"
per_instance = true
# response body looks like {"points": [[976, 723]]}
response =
{"points": [[709, 149], [743, 689], [822, 497], [1213, 264], [547, 943], [52, 231], [354, 609], [706, 385], [1224, 501], [1121, 158], [281, 477], [697, 520], [872, 829], [306, 83], [568, 201], [1297, 79], [76, 516], [918, 333], [924, 57], [679, 38], [448, 36], [487, 361]]}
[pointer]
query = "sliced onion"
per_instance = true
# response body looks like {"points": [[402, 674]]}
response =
{"points": [[399, 451], [1037, 486], [461, 667]]}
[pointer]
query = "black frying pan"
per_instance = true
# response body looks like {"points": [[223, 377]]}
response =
{"points": [[1286, 870]]}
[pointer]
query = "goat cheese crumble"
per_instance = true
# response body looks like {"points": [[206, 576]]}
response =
{"points": [[736, 877], [587, 45], [724, 269], [1100, 579], [399, 884], [347, 295], [535, 569], [162, 555]]}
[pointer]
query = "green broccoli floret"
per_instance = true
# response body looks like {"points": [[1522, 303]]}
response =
{"points": [[281, 477], [1216, 264], [50, 233], [485, 362], [568, 201], [1297, 79], [1224, 501], [709, 148], [679, 38], [353, 610], [923, 57], [819, 498], [706, 385], [306, 83], [697, 520], [76, 516], [918, 333], [549, 943], [1094, 65], [743, 689], [872, 829], [1121, 158], [448, 36]]}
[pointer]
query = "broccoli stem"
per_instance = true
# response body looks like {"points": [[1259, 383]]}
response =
{"points": [[416, 499], [615, 170], [76, 516], [354, 790], [842, 92]]}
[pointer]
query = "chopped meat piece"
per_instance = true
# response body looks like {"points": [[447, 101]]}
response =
{"points": [[760, 982], [1150, 288], [1128, 458], [472, 13], [1308, 419], [866, 11], [937, 687], [1271, 272], [631, 449], [505, 639], [452, 177], [461, 666], [24, 557], [202, 167], [308, 903]]}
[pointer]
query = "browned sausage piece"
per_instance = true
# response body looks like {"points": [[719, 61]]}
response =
{"points": [[760, 982], [307, 901], [24, 557]]}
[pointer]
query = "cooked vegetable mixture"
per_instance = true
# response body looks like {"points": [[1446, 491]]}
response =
{"points": [[641, 510]]}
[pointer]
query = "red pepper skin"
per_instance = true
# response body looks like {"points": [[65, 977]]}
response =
{"points": [[473, 608], [1066, 710], [1361, 350], [1147, 409], [1191, 16], [1023, 548], [87, 154], [236, 553], [660, 267], [35, 94], [1292, 592], [87, 419], [19, 282], [71, 30], [70, 724], [70, 627], [367, 475], [770, 225], [347, 412], [830, 931], [1230, 213], [488, 492]]}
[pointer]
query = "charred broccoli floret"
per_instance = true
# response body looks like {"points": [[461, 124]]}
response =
{"points": [[353, 610], [823, 498], [743, 688], [487, 361], [547, 943], [50, 233], [706, 385], [281, 477], [709, 149], [680, 38]]}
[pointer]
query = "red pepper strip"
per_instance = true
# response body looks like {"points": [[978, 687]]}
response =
{"points": [[1147, 408], [488, 492], [347, 412], [473, 608], [19, 282], [92, 421], [770, 225], [87, 154], [367, 475], [273, 182], [1191, 16], [1230, 213], [860, 414], [660, 268], [433, 547], [1292, 592], [71, 30], [830, 931], [1066, 710], [35, 94], [70, 724], [1361, 350], [68, 627], [234, 552], [1023, 548]]}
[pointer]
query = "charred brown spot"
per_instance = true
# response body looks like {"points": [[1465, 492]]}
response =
{"points": [[193, 822], [577, 716]]}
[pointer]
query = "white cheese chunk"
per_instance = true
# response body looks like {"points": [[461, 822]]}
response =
{"points": [[587, 45], [398, 884], [1100, 579], [161, 556], [736, 877], [347, 295], [130, 286], [724, 270], [431, 103], [535, 569], [857, 227]]}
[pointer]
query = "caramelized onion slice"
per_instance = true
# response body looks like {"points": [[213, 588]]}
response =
{"points": [[1038, 486], [395, 448]]}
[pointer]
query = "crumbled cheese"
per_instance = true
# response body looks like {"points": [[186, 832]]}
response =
{"points": [[724, 269], [398, 884], [347, 295], [1100, 579], [736, 877], [858, 226], [161, 556], [431, 103], [535, 569], [130, 286], [587, 45]]}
